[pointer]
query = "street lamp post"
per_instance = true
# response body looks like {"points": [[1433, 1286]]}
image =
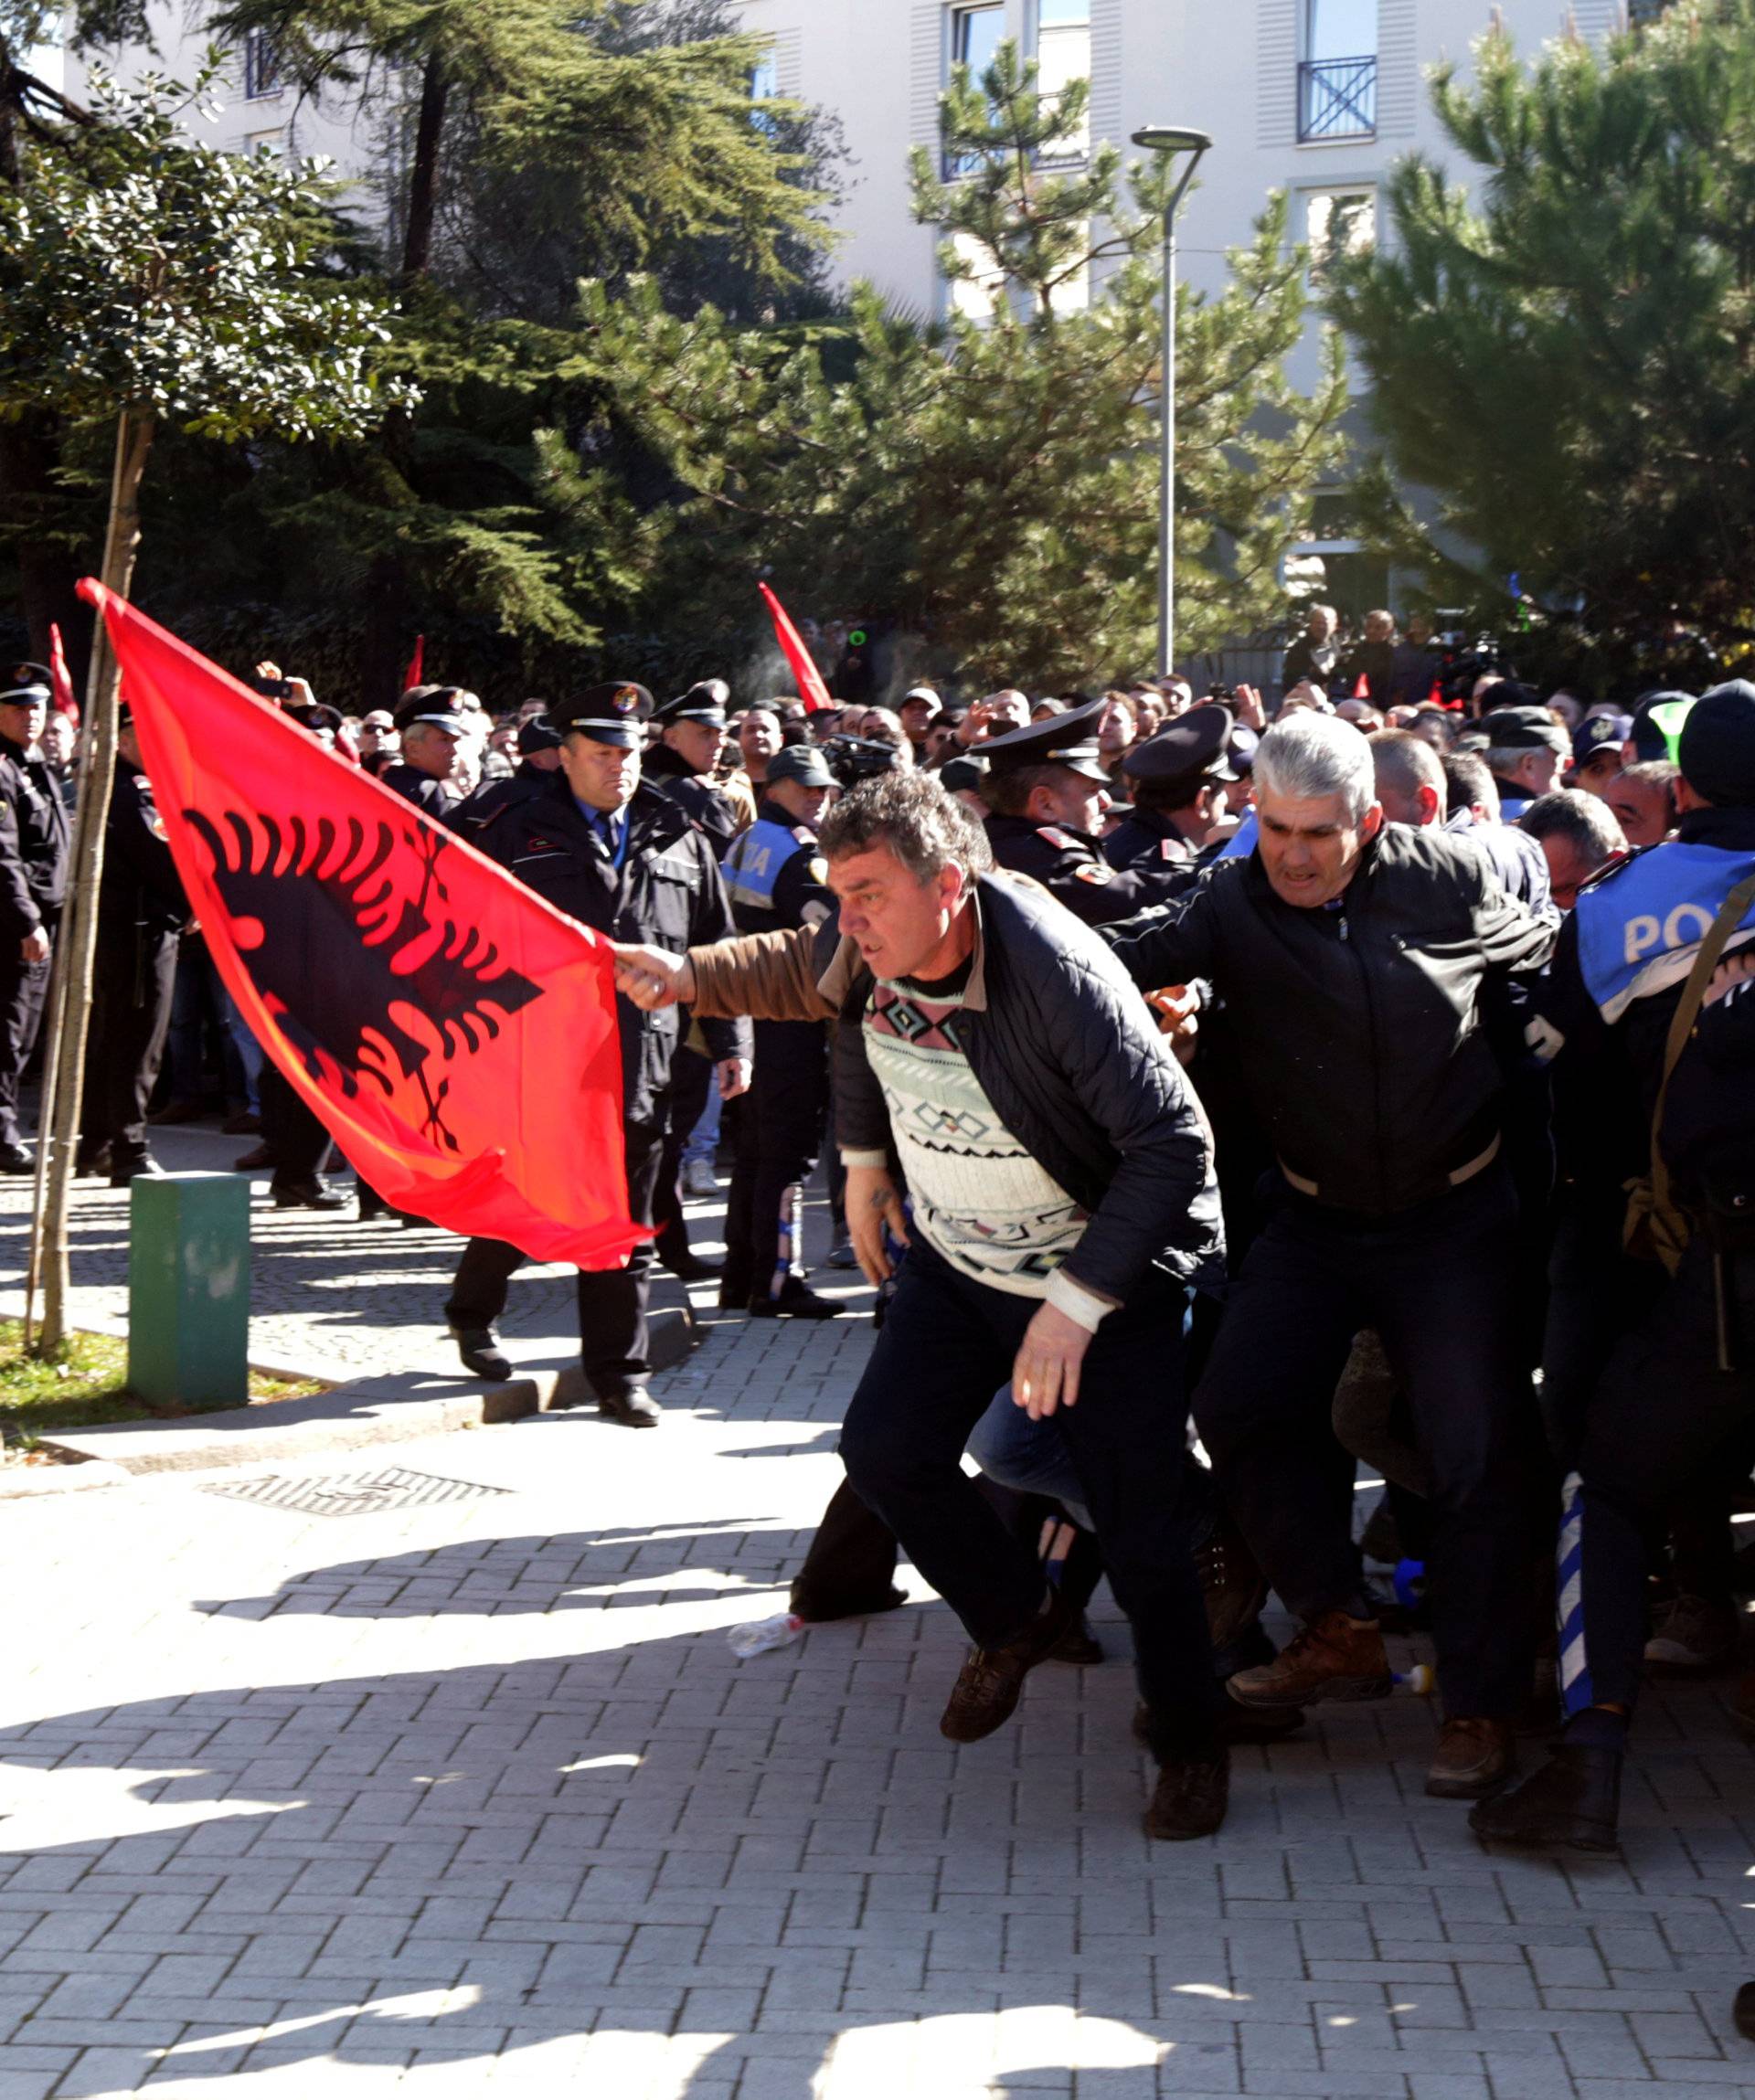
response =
{"points": [[1170, 138]]}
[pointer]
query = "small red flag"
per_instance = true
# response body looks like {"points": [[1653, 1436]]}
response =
{"points": [[411, 676], [811, 688], [59, 680], [455, 1035], [1361, 688]]}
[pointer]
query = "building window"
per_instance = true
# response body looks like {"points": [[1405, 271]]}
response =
{"points": [[977, 298], [261, 66], [764, 79], [1062, 55], [1338, 75], [1338, 222], [976, 32]]}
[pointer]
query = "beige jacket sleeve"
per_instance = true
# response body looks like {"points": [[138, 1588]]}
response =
{"points": [[770, 976]]}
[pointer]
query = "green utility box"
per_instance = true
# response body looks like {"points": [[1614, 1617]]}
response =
{"points": [[189, 1289]]}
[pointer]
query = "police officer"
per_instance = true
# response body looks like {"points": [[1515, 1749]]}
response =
{"points": [[682, 765], [432, 721], [1180, 779], [141, 910], [539, 757], [606, 849], [1680, 1380], [1046, 790], [776, 880], [33, 886]]}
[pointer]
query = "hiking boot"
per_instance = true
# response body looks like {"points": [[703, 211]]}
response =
{"points": [[480, 1349], [1472, 1757], [1336, 1657], [1234, 1723], [1692, 1637], [1574, 1800], [634, 1407], [797, 1300], [1190, 1798], [1231, 1584], [989, 1683]]}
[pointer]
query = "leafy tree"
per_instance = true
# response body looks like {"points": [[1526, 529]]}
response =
{"points": [[150, 280], [1564, 353], [990, 483]]}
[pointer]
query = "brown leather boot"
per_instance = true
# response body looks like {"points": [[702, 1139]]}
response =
{"points": [[989, 1684], [1232, 1585], [1472, 1757], [1336, 1657], [1190, 1798]]}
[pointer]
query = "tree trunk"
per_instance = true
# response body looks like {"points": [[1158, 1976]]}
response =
{"points": [[64, 1066], [423, 177]]}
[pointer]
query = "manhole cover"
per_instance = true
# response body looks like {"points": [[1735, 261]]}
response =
{"points": [[352, 1494]]}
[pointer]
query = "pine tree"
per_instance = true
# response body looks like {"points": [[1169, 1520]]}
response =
{"points": [[1563, 351]]}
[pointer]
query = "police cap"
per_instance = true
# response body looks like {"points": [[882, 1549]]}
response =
{"points": [[1241, 751], [704, 703], [1718, 746], [1524, 729], [537, 735], [801, 762], [610, 714], [441, 705], [26, 685], [1598, 733], [1194, 748], [315, 716], [1069, 740], [956, 774]]}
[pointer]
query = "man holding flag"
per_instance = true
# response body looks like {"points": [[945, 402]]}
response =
{"points": [[609, 850]]}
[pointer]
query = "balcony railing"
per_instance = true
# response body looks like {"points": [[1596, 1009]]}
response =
{"points": [[1337, 97]]}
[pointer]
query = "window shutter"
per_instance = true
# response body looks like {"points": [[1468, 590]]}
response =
{"points": [[926, 75], [1399, 86], [788, 64], [1276, 72], [1106, 72]]}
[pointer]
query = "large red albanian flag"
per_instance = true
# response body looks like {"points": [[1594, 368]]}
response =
{"points": [[455, 1035]]}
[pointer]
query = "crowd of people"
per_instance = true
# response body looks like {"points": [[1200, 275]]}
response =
{"points": [[1280, 1069]]}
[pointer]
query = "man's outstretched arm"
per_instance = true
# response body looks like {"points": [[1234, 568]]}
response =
{"points": [[770, 976]]}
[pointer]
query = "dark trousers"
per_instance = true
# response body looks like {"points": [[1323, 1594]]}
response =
{"points": [[290, 1129], [614, 1348], [131, 1016], [1438, 1283], [24, 987], [1663, 1408], [945, 1347], [691, 1079], [778, 1143]]}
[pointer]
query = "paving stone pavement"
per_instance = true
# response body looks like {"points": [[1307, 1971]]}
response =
{"points": [[471, 1798]]}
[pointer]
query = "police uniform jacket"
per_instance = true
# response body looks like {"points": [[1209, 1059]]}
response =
{"points": [[481, 807], [142, 896], [774, 876], [419, 787], [666, 892], [1148, 837], [1359, 1042], [1071, 867], [706, 807], [1607, 1003], [33, 844]]}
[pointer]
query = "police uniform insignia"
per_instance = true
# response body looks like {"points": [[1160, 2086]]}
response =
{"points": [[1056, 837], [1094, 871], [627, 698], [804, 837]]}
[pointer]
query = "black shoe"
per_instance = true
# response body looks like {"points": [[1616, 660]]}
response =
{"points": [[841, 1255], [15, 1158], [92, 1166], [1574, 1799], [1742, 2010], [372, 1207], [691, 1269], [1234, 1723], [144, 1169], [989, 1683], [634, 1409], [797, 1300], [1190, 1798], [1077, 1645], [480, 1349], [734, 1292], [312, 1194], [251, 1161]]}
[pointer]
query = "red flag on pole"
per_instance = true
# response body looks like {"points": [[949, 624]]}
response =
{"points": [[411, 676], [58, 678], [455, 1035], [811, 688]]}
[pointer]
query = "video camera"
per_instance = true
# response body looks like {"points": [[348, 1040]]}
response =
{"points": [[855, 759]]}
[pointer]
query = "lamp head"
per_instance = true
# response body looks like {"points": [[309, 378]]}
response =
{"points": [[1172, 139]]}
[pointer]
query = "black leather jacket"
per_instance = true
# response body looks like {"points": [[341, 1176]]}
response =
{"points": [[1068, 1056], [1358, 1035]]}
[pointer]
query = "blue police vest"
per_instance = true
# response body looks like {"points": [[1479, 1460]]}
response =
{"points": [[1640, 931], [751, 866]]}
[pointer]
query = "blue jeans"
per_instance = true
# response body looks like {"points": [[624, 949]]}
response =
{"points": [[703, 1140], [1031, 1457]]}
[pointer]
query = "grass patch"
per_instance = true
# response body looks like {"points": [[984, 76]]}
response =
{"points": [[88, 1384]]}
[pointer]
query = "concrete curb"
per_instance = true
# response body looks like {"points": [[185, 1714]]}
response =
{"points": [[393, 1409]]}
